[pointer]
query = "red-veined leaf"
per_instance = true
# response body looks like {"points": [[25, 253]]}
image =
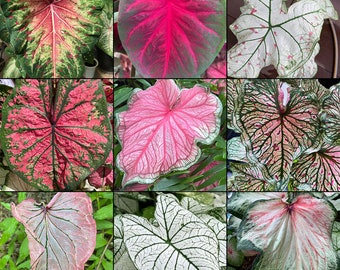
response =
{"points": [[62, 234], [277, 125], [160, 130], [291, 235], [51, 36], [321, 170], [55, 136], [172, 38], [103, 176]]}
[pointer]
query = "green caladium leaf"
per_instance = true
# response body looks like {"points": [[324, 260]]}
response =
{"points": [[270, 34], [282, 230]]}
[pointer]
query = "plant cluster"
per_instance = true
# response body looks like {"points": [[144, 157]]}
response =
{"points": [[170, 39], [170, 231], [288, 135], [162, 132]]}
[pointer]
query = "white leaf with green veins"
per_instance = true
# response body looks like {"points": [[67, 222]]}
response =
{"points": [[180, 241], [268, 35]]}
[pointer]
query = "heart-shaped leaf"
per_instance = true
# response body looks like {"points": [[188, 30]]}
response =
{"points": [[283, 231], [172, 38], [180, 240], [160, 130], [48, 38], [55, 135], [268, 34], [278, 123], [62, 234]]}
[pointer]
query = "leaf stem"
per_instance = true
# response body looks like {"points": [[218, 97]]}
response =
{"points": [[103, 253]]}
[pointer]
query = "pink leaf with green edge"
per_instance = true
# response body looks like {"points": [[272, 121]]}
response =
{"points": [[160, 130], [290, 235], [268, 34], [275, 131], [321, 170], [103, 176], [54, 136], [62, 234], [51, 36], [172, 38]]}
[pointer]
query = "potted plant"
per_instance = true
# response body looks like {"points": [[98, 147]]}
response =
{"points": [[91, 64]]}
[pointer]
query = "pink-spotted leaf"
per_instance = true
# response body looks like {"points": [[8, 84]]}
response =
{"points": [[61, 234], [160, 130], [49, 37], [269, 34], [278, 123], [320, 170], [55, 134], [172, 38], [283, 231]]}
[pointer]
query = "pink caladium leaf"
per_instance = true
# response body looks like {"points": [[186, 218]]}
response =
{"points": [[283, 230], [320, 170], [276, 130], [172, 38], [61, 234], [160, 130], [103, 176], [54, 134], [49, 37], [269, 34]]}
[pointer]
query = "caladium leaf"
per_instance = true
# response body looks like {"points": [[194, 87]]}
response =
{"points": [[331, 117], [284, 230], [119, 246], [49, 37], [160, 129], [179, 241], [62, 234], [172, 38], [269, 35], [55, 134], [278, 123], [321, 170]]}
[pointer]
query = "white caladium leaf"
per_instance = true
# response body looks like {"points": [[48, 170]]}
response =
{"points": [[180, 241], [291, 235], [236, 150], [320, 169], [119, 246], [240, 201], [234, 94], [270, 34], [248, 177], [277, 130]]}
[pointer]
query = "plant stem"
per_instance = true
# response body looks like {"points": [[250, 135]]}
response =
{"points": [[102, 256]]}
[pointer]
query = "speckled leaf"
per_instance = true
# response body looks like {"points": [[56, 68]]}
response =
{"points": [[284, 230], [62, 234], [49, 37], [177, 240], [172, 38], [160, 130], [54, 136], [321, 170], [269, 34], [278, 123]]}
